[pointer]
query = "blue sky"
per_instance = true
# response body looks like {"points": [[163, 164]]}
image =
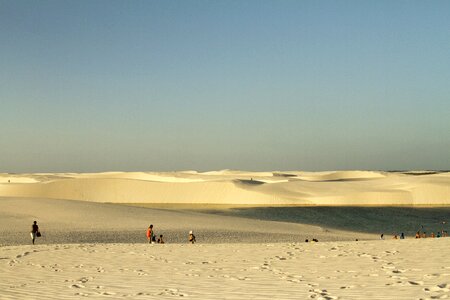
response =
{"points": [[260, 85]]}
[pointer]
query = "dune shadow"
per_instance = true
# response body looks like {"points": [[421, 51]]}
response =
{"points": [[388, 220]]}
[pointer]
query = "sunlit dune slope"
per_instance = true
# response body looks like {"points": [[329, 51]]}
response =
{"points": [[237, 187]]}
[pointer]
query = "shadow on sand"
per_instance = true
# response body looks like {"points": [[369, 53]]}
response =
{"points": [[387, 220]]}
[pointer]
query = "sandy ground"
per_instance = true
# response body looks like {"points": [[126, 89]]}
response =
{"points": [[237, 187], [67, 221], [391, 269], [94, 246]]}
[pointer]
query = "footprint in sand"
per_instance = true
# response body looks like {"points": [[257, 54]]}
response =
{"points": [[141, 272], [240, 278], [140, 294], [18, 286], [415, 282], [172, 292], [398, 271], [432, 275], [84, 279], [22, 255], [280, 257], [346, 287], [320, 294], [107, 293], [440, 288]]}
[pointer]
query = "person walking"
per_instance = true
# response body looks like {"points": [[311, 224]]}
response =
{"points": [[191, 237], [34, 231]]}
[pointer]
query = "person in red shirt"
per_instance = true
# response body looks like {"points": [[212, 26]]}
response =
{"points": [[150, 234]]}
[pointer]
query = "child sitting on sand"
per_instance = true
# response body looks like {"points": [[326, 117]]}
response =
{"points": [[191, 237], [160, 239]]}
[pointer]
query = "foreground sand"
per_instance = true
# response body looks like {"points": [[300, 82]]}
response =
{"points": [[237, 187], [391, 269]]}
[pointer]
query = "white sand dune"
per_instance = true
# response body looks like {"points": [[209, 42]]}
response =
{"points": [[237, 187], [92, 247], [394, 269]]}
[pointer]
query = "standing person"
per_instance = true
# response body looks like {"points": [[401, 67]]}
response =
{"points": [[34, 231], [191, 237], [150, 234], [402, 236]]}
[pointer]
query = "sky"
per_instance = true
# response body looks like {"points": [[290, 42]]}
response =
{"points": [[90, 86]]}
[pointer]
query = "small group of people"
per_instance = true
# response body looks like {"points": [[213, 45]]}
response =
{"points": [[402, 236], [151, 237], [313, 240], [418, 235], [423, 235]]}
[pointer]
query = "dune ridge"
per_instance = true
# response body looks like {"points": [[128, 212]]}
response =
{"points": [[237, 187]]}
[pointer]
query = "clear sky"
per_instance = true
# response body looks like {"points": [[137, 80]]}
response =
{"points": [[204, 85]]}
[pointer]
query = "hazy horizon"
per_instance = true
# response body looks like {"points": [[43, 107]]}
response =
{"points": [[93, 86]]}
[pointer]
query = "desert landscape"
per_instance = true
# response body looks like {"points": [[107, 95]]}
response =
{"points": [[251, 149], [250, 227], [335, 188]]}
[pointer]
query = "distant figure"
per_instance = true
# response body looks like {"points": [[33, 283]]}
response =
{"points": [[424, 235], [315, 240], [418, 235], [402, 236], [356, 240], [191, 237], [160, 239], [432, 234], [306, 241], [438, 234], [382, 236], [34, 231], [395, 237], [150, 234]]}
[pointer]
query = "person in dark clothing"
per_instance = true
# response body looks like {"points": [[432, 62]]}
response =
{"points": [[34, 231]]}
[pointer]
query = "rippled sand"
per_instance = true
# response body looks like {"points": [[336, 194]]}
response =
{"points": [[391, 269]]}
